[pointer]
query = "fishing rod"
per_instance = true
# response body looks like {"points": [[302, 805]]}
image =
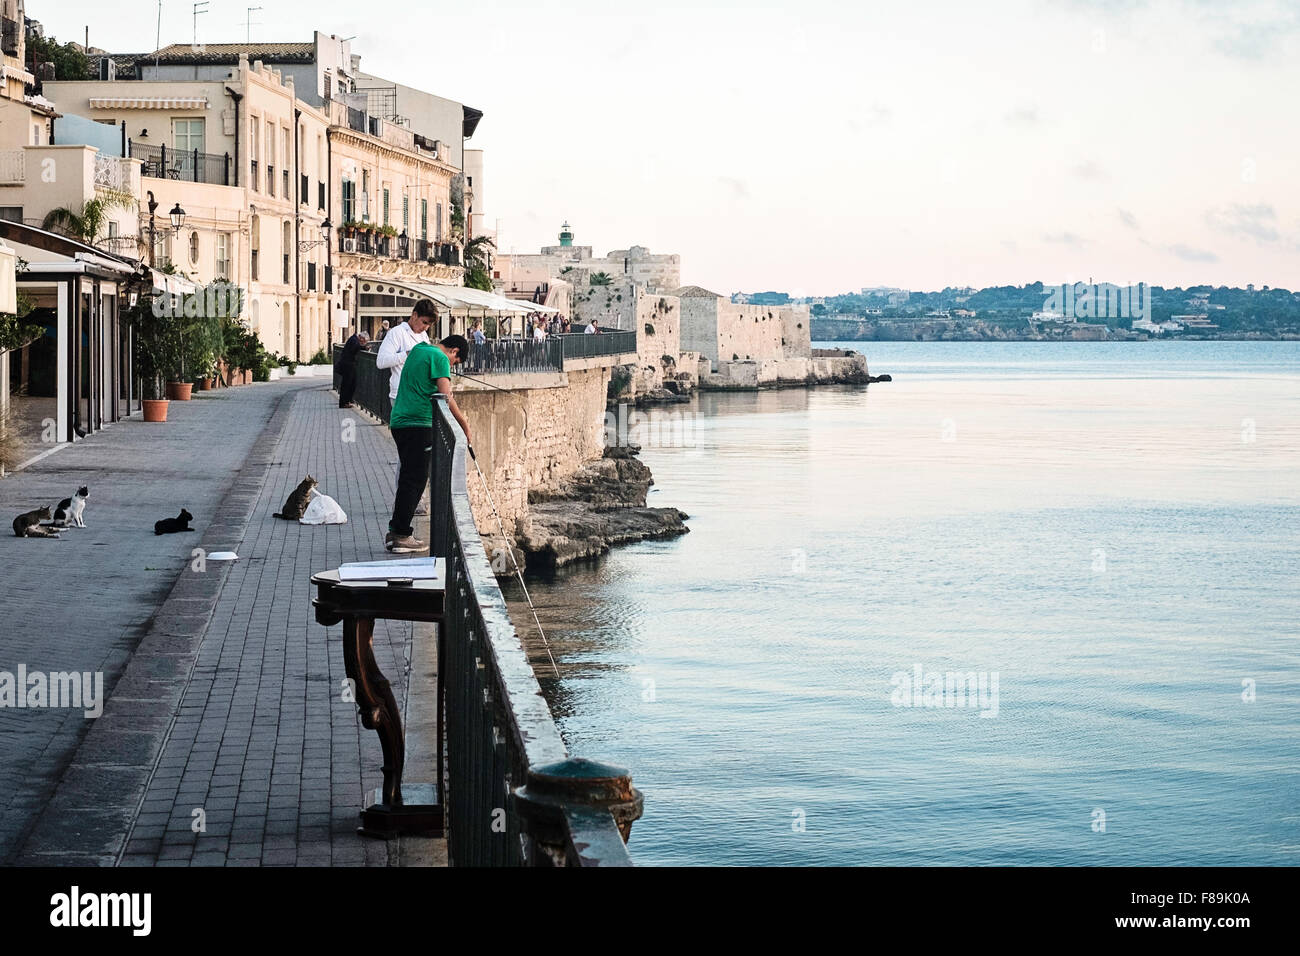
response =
{"points": [[510, 548]]}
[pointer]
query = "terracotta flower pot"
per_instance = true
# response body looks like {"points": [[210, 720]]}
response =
{"points": [[204, 384], [179, 391], [155, 409]]}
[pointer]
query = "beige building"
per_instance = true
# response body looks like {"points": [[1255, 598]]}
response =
{"points": [[246, 161], [774, 339]]}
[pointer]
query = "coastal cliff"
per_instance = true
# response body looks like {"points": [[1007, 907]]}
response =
{"points": [[601, 505]]}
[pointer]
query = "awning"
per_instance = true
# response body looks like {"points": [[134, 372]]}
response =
{"points": [[172, 285], [460, 298], [149, 102]]}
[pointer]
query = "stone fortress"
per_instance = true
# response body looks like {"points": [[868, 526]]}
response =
{"points": [[687, 336]]}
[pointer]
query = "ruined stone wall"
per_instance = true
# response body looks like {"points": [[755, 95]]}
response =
{"points": [[796, 331]]}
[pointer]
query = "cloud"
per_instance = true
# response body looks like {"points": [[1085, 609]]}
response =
{"points": [[1025, 117], [1127, 218], [1253, 222], [1067, 239], [1191, 254], [1090, 171]]}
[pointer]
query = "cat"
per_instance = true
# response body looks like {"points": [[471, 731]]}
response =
{"points": [[296, 504], [29, 525], [70, 512], [174, 525]]}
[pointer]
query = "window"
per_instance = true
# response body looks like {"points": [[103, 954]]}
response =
{"points": [[438, 222], [112, 229], [194, 248], [223, 255], [270, 158], [385, 205], [187, 136], [349, 201], [287, 240], [254, 152], [254, 243], [11, 213], [285, 160], [365, 195], [424, 219], [406, 213]]}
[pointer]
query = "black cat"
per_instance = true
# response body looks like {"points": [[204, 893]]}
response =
{"points": [[174, 525]]}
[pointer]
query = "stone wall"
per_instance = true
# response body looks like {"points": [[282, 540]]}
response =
{"points": [[796, 331], [531, 438]]}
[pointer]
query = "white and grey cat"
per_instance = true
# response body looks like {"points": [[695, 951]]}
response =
{"points": [[71, 511], [29, 525]]}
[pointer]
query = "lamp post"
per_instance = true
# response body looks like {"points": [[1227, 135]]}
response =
{"points": [[153, 208], [177, 215]]}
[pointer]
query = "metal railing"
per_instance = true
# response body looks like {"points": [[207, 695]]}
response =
{"points": [[507, 356], [503, 749], [576, 345], [372, 384], [160, 162]]}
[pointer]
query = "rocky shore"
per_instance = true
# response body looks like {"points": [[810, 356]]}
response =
{"points": [[602, 505]]}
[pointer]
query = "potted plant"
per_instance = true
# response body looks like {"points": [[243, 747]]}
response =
{"points": [[157, 354]]}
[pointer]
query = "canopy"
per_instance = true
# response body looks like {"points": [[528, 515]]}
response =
{"points": [[457, 297], [172, 285]]}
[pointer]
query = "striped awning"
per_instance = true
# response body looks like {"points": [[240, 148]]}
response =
{"points": [[149, 102]]}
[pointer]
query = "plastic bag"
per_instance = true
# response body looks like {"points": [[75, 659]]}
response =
{"points": [[322, 509]]}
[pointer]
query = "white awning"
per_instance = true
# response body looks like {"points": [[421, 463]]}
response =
{"points": [[460, 298], [172, 285], [149, 102]]}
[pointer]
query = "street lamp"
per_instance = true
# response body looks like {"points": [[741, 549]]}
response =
{"points": [[305, 244], [178, 219]]}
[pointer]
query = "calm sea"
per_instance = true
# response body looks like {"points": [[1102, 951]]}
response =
{"points": [[1112, 531]]}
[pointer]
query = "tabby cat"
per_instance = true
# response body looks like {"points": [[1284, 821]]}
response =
{"points": [[296, 504], [29, 525]]}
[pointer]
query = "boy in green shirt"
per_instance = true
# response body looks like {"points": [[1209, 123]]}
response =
{"points": [[427, 372]]}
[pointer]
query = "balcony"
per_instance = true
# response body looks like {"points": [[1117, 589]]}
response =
{"points": [[189, 165], [9, 36], [116, 174]]}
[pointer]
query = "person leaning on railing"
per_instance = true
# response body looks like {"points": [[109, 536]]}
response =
{"points": [[427, 371]]}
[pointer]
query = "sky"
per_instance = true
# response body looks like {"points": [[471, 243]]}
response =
{"points": [[819, 147]]}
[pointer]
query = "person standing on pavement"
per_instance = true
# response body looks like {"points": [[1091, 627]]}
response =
{"points": [[348, 368], [398, 342], [427, 372]]}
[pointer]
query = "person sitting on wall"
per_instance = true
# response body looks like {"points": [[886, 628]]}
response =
{"points": [[427, 371], [348, 368], [591, 328]]}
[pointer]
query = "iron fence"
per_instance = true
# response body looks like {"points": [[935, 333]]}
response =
{"points": [[514, 797], [506, 356], [160, 162], [372, 384], [576, 345]]}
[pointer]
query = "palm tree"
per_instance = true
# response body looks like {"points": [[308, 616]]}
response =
{"points": [[477, 275], [601, 279], [88, 223]]}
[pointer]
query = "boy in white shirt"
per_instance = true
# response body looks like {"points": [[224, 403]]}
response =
{"points": [[400, 340]]}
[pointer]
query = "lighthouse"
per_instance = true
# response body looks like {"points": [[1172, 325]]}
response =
{"points": [[566, 235]]}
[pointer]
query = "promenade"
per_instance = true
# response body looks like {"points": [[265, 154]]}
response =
{"points": [[226, 738]]}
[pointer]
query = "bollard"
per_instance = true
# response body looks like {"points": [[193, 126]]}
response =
{"points": [[575, 789]]}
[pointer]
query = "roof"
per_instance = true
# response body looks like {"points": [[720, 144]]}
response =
{"points": [[694, 292], [470, 120], [231, 52]]}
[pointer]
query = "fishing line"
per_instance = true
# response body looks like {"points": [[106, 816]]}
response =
{"points": [[510, 548]]}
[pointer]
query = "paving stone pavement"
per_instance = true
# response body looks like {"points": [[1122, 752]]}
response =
{"points": [[231, 711]]}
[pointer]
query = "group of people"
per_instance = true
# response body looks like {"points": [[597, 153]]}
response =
{"points": [[418, 370]]}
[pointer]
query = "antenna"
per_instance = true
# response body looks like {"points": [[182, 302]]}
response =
{"points": [[157, 43], [200, 7], [251, 11]]}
